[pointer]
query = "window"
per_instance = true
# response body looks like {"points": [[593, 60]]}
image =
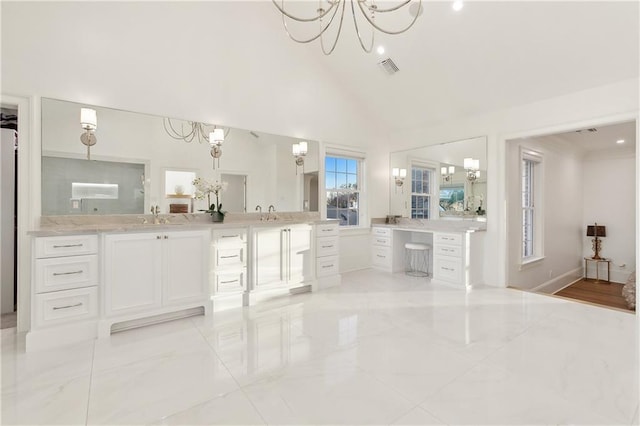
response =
{"points": [[531, 211], [421, 191], [342, 183]]}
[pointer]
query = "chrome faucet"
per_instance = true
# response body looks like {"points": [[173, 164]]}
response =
{"points": [[271, 208], [155, 210], [259, 208]]}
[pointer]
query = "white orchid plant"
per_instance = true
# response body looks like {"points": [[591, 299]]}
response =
{"points": [[205, 188]]}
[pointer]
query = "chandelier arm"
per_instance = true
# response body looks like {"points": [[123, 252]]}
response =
{"points": [[335, 42], [286, 29], [373, 24], [391, 9], [355, 24], [295, 18], [172, 132]]}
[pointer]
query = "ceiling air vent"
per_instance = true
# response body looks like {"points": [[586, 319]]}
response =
{"points": [[591, 130], [389, 66]]}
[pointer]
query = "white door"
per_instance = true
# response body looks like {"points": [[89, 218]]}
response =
{"points": [[132, 272], [185, 255], [269, 257], [300, 259]]}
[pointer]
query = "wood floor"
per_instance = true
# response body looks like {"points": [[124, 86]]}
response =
{"points": [[599, 293]]}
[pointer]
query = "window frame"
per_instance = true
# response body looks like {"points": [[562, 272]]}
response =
{"points": [[434, 189], [535, 209], [360, 158]]}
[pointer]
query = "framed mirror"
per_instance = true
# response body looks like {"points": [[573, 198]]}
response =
{"points": [[134, 164], [443, 181]]}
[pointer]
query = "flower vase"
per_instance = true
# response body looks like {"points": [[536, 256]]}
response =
{"points": [[217, 217]]}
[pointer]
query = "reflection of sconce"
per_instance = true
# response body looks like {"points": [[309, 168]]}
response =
{"points": [[399, 175], [299, 151], [89, 122], [447, 173], [473, 169], [215, 140]]}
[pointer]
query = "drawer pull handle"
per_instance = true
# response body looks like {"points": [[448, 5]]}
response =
{"points": [[448, 269], [379, 255], [327, 230], [229, 282], [230, 236], [327, 246], [447, 250], [166, 237], [67, 245], [55, 308], [55, 274], [228, 257], [327, 266]]}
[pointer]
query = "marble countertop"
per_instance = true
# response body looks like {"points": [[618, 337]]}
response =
{"points": [[68, 225], [434, 225]]}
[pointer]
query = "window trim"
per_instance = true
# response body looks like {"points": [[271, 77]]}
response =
{"points": [[350, 153], [434, 184], [537, 158]]}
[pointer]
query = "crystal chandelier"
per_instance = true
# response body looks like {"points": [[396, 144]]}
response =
{"points": [[327, 11]]}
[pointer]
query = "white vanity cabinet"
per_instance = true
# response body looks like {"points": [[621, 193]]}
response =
{"points": [[65, 290], [228, 273], [282, 256], [150, 273], [381, 248], [327, 255]]}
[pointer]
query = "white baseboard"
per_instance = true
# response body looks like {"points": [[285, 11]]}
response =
{"points": [[558, 283]]}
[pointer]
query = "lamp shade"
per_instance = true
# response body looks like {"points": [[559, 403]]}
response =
{"points": [[468, 163], [303, 148], [395, 172], [295, 149], [443, 171], [403, 173], [596, 231], [452, 170], [88, 118], [216, 137]]}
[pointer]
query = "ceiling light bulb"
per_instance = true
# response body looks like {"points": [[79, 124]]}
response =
{"points": [[457, 5], [620, 141], [380, 50]]}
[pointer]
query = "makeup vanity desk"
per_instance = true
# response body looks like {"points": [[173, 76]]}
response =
{"points": [[457, 254]]}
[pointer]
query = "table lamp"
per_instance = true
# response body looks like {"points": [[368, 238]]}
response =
{"points": [[596, 231]]}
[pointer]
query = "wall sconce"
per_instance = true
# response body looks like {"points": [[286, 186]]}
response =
{"points": [[399, 175], [299, 151], [215, 140], [89, 122], [447, 173], [473, 169], [596, 231]]}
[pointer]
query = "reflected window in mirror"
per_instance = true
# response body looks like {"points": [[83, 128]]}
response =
{"points": [[342, 184], [421, 192]]}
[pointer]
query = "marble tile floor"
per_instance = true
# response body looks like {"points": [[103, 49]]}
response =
{"points": [[380, 349]]}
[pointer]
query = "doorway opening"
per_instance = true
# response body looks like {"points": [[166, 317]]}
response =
{"points": [[559, 186], [235, 195], [8, 217]]}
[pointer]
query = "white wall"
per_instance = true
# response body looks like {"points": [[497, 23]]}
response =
{"points": [[561, 192], [609, 194]]}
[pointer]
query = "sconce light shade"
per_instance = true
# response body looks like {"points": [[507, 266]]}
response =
{"points": [[403, 173], [443, 171], [88, 118], [395, 172], [295, 149], [452, 170], [303, 148], [468, 163], [216, 137]]}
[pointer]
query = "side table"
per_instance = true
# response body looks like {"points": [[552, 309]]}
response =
{"points": [[597, 262]]}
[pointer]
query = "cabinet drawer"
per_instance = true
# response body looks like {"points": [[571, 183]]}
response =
{"points": [[327, 266], [229, 236], [381, 232], [66, 246], [65, 306], [329, 230], [65, 273], [326, 246], [446, 250], [229, 256], [440, 238], [229, 282], [381, 256], [447, 268], [381, 241]]}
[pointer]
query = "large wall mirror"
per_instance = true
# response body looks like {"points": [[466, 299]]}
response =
{"points": [[135, 164], [444, 181]]}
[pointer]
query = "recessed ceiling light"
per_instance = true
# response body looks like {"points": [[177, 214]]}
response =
{"points": [[380, 50], [457, 5], [620, 141]]}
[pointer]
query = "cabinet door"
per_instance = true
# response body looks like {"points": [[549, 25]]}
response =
{"points": [[269, 260], [300, 260], [132, 272], [185, 268]]}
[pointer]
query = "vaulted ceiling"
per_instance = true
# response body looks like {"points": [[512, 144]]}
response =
{"points": [[234, 58]]}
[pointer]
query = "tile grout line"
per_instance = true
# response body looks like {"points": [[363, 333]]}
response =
{"points": [[93, 357], [240, 388]]}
